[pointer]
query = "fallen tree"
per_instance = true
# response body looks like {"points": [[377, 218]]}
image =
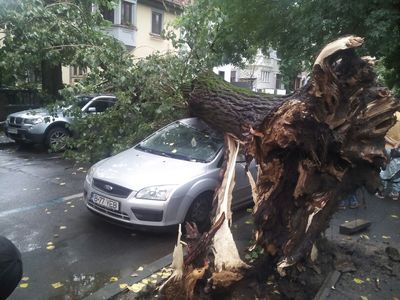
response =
{"points": [[313, 148]]}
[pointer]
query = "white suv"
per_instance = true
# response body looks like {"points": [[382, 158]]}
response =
{"points": [[38, 126]]}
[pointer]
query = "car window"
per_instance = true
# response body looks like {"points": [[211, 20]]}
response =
{"points": [[101, 105], [179, 140]]}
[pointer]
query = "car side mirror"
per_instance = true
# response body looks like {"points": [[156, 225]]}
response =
{"points": [[92, 109]]}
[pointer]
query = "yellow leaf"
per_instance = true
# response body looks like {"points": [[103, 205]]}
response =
{"points": [[136, 287], [153, 276], [363, 298], [386, 237], [113, 279], [364, 236], [368, 279], [153, 281], [358, 280], [63, 227], [134, 275], [23, 285], [72, 205], [123, 286], [140, 269], [57, 285], [62, 183], [51, 247], [26, 278], [394, 216], [145, 281], [49, 243], [248, 222]]}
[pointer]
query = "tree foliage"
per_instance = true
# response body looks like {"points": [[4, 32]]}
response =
{"points": [[232, 29]]}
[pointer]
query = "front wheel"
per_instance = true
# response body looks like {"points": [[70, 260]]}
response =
{"points": [[199, 213], [56, 138]]}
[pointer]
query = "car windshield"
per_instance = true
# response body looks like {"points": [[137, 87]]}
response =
{"points": [[182, 141]]}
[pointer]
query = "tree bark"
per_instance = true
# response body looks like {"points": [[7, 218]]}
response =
{"points": [[313, 147]]}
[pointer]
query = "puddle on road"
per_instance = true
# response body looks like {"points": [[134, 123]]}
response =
{"points": [[79, 286]]}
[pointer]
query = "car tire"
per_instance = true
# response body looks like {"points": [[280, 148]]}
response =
{"points": [[199, 212], [56, 138]]}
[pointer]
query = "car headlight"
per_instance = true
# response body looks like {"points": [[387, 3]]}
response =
{"points": [[33, 121], [158, 192], [89, 175]]}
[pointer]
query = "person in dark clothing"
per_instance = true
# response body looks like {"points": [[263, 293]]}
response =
{"points": [[10, 267]]}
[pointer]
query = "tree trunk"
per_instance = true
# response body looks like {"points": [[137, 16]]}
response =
{"points": [[51, 78], [313, 147]]}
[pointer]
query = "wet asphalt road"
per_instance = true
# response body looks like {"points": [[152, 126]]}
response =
{"points": [[41, 205]]}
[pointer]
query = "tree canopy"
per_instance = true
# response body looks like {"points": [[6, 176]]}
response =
{"points": [[296, 29]]}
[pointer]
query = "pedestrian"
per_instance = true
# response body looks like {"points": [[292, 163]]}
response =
{"points": [[390, 176], [350, 201], [10, 267]]}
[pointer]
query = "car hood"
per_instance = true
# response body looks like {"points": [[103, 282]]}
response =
{"points": [[136, 169], [34, 113]]}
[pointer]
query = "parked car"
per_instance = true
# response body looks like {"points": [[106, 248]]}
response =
{"points": [[164, 180], [39, 126]]}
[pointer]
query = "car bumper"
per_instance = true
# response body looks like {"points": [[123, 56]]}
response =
{"points": [[133, 212], [23, 135]]}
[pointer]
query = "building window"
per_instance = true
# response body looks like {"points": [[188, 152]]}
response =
{"points": [[107, 13], [233, 76], [265, 76], [222, 74], [127, 13], [156, 22]]}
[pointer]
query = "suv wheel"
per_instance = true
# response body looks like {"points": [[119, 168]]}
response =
{"points": [[199, 212], [56, 138]]}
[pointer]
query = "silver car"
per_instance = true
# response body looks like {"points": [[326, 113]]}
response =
{"points": [[39, 126], [164, 180]]}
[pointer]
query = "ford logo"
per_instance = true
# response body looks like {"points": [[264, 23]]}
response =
{"points": [[108, 187]]}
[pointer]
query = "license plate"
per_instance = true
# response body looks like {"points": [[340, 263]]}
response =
{"points": [[12, 130], [105, 202]]}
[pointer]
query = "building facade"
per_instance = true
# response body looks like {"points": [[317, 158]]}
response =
{"points": [[138, 25], [260, 75]]}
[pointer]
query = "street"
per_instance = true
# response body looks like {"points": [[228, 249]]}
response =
{"points": [[67, 252]]}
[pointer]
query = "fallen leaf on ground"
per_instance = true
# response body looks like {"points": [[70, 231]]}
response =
{"points": [[249, 210], [80, 168], [69, 202], [123, 286], [153, 276], [358, 280], [145, 281], [364, 236], [368, 279], [51, 247], [57, 285], [394, 216], [26, 278], [23, 285], [153, 281], [37, 189], [58, 178], [72, 206], [113, 279], [249, 222], [134, 275], [62, 227], [65, 210], [140, 269], [55, 235], [49, 243], [24, 189], [386, 237], [62, 183], [363, 298], [136, 287]]}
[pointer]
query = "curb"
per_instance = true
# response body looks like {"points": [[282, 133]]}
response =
{"points": [[113, 290]]}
